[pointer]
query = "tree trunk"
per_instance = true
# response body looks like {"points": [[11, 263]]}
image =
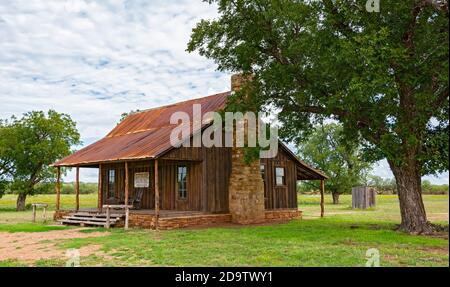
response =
{"points": [[412, 209], [335, 197], [21, 197]]}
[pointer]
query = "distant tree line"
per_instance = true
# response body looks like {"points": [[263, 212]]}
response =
{"points": [[66, 188], [382, 185]]}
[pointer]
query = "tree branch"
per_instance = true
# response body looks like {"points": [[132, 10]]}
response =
{"points": [[441, 98]]}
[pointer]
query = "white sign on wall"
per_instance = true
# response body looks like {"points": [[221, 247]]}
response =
{"points": [[141, 179]]}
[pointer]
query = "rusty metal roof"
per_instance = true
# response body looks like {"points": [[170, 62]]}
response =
{"points": [[146, 135], [304, 171], [142, 135]]}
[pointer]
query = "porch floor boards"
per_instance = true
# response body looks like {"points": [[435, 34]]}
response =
{"points": [[162, 213]]}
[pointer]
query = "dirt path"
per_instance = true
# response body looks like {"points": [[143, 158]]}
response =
{"points": [[31, 246]]}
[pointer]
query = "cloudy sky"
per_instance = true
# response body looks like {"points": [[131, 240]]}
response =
{"points": [[95, 60]]}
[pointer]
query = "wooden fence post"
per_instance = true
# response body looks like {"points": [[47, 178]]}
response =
{"points": [[127, 215], [322, 197], [100, 192], [108, 217], [34, 213], [126, 195], [156, 195], [58, 186], [77, 189]]}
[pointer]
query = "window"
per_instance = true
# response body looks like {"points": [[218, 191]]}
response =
{"points": [[279, 176], [111, 181], [182, 179]]}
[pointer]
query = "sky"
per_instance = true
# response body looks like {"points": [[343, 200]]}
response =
{"points": [[95, 60]]}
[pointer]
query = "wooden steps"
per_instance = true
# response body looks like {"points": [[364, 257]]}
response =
{"points": [[90, 219]]}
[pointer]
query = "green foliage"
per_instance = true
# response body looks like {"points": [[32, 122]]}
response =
{"points": [[327, 150], [85, 188], [388, 185], [30, 144], [66, 188], [383, 185], [125, 115], [384, 76], [429, 188]]}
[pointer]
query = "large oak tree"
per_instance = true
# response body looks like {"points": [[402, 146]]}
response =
{"points": [[29, 145], [327, 149], [383, 76]]}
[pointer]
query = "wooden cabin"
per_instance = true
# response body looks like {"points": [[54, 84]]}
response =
{"points": [[185, 186]]}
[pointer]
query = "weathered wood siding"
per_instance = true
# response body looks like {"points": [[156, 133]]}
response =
{"points": [[208, 176], [207, 180], [280, 196]]}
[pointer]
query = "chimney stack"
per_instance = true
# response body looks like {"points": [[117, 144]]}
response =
{"points": [[238, 80], [246, 187]]}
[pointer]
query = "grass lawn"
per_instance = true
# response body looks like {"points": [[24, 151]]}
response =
{"points": [[340, 239], [8, 212]]}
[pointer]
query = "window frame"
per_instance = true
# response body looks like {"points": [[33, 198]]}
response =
{"points": [[182, 194], [111, 175], [262, 171], [283, 177]]}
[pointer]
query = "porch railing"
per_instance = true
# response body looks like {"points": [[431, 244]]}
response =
{"points": [[116, 206]]}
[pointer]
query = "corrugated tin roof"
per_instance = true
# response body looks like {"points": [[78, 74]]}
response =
{"points": [[304, 171], [141, 135], [146, 135]]}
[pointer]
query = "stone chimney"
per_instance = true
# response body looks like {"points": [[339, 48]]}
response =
{"points": [[238, 80], [246, 187]]}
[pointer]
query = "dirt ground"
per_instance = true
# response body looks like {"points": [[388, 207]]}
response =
{"points": [[31, 246]]}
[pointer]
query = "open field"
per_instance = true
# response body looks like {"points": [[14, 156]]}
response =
{"points": [[340, 239]]}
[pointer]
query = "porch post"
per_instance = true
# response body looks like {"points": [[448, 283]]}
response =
{"points": [[100, 192], [322, 191], [77, 189], [126, 195], [58, 186], [156, 195]]}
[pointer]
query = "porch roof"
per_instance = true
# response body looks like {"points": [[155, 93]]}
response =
{"points": [[304, 171]]}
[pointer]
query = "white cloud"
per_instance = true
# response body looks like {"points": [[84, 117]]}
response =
{"points": [[382, 169], [95, 60]]}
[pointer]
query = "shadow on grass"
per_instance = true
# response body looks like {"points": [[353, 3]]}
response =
{"points": [[8, 209]]}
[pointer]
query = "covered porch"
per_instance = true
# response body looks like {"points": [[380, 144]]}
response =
{"points": [[152, 212], [131, 185]]}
